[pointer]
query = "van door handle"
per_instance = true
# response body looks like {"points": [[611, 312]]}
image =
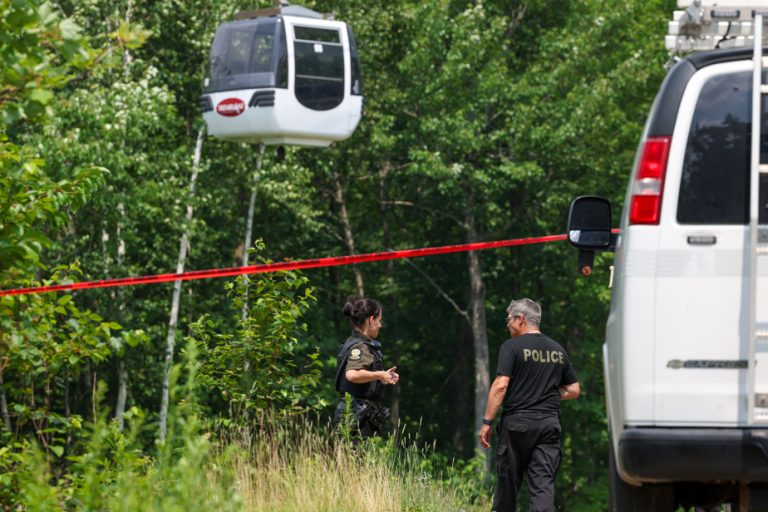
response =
{"points": [[702, 239]]}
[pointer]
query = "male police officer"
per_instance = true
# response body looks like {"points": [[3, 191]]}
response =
{"points": [[534, 374]]}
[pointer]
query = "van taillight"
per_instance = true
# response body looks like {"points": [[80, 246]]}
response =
{"points": [[648, 186]]}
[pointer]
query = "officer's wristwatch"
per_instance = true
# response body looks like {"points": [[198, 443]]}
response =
{"points": [[487, 422]]}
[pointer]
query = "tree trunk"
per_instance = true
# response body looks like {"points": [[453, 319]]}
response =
{"points": [[392, 299], [249, 226], [127, 58], [94, 383], [122, 373], [183, 247], [460, 396], [117, 298], [249, 235], [477, 316], [252, 207], [346, 226], [4, 405], [122, 392], [67, 410]]}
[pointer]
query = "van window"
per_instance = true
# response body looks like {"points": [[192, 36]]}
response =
{"points": [[714, 188]]}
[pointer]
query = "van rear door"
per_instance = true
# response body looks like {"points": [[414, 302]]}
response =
{"points": [[702, 330]]}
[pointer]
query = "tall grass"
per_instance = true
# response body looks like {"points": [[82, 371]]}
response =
{"points": [[294, 466], [273, 463], [276, 464]]}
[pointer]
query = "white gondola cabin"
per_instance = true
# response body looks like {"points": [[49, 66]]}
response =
{"points": [[285, 75]]}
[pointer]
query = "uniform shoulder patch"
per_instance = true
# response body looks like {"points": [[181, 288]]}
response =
{"points": [[355, 354]]}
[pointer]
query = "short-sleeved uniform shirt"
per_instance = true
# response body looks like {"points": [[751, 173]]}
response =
{"points": [[538, 367], [360, 357], [363, 354]]}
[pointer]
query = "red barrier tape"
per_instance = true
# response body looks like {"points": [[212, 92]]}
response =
{"points": [[286, 265]]}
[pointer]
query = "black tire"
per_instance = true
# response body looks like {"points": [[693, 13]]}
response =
{"points": [[705, 497], [623, 497]]}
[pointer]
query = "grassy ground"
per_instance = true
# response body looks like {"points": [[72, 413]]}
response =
{"points": [[275, 465], [294, 468]]}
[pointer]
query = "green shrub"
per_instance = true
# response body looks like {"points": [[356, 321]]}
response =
{"points": [[261, 363]]}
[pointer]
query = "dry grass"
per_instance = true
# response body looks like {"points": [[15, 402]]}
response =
{"points": [[280, 467]]}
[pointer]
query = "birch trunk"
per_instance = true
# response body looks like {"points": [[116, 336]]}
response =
{"points": [[127, 58], [478, 324], [4, 405], [346, 226], [122, 393], [249, 234], [117, 297], [183, 248], [249, 225], [122, 373], [252, 207]]}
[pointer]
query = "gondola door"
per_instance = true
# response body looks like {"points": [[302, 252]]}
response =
{"points": [[321, 76]]}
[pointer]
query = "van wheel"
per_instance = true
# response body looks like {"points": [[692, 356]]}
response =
{"points": [[623, 497], [705, 496]]}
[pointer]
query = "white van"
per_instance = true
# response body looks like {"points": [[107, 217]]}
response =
{"points": [[686, 351]]}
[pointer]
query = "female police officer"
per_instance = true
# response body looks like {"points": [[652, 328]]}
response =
{"points": [[360, 370]]}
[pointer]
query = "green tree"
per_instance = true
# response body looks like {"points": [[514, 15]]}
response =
{"points": [[47, 345], [42, 52], [257, 367], [482, 121], [566, 90], [45, 341]]}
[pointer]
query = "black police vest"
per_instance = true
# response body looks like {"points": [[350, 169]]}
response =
{"points": [[370, 390]]}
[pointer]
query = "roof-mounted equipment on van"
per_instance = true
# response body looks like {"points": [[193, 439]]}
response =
{"points": [[712, 24]]}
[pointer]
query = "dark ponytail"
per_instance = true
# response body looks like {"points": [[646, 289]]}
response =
{"points": [[359, 310]]}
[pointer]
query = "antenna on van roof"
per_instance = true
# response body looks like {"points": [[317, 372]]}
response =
{"points": [[713, 24]]}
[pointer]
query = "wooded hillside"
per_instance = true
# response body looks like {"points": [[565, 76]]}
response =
{"points": [[482, 121]]}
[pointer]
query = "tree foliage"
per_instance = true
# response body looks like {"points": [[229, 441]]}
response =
{"points": [[47, 344], [257, 368], [42, 51], [482, 121]]}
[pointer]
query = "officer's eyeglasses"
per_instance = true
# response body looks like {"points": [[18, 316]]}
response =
{"points": [[511, 317]]}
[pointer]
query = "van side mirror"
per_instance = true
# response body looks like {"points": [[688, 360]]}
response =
{"points": [[589, 229]]}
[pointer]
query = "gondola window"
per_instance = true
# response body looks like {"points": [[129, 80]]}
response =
{"points": [[319, 59], [245, 55]]}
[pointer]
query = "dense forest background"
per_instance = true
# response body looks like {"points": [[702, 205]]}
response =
{"points": [[482, 121]]}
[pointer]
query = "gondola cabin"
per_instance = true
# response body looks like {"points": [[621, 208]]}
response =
{"points": [[281, 76]]}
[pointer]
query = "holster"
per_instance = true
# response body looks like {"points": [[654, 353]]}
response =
{"points": [[375, 413]]}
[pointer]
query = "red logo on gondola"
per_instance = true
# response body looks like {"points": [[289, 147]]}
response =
{"points": [[230, 107]]}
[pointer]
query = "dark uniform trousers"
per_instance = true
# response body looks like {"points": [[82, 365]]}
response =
{"points": [[532, 443]]}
